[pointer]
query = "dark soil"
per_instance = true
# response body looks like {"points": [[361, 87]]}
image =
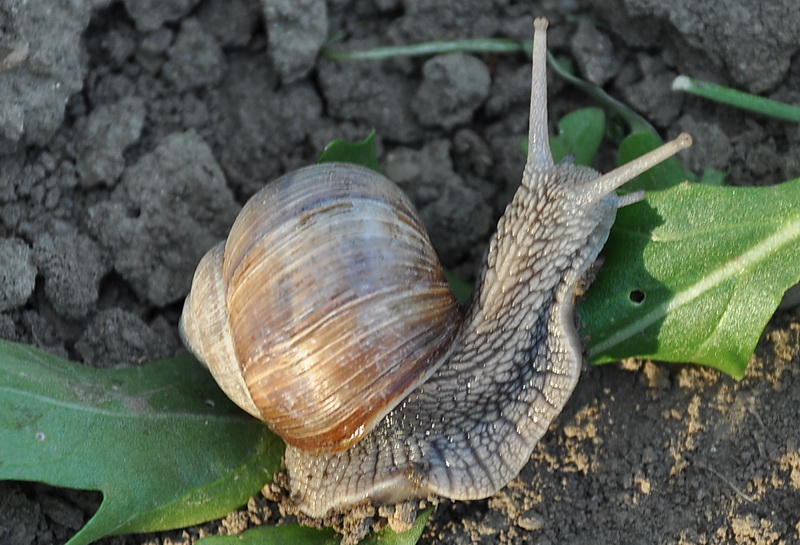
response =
{"points": [[131, 133]]}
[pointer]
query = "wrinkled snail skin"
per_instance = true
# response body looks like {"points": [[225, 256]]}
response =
{"points": [[471, 427]]}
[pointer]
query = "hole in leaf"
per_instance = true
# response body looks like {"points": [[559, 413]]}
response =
{"points": [[637, 296]]}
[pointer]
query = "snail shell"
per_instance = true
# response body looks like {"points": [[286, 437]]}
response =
{"points": [[324, 292], [324, 308]]}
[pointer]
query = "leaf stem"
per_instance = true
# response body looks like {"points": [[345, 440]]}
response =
{"points": [[489, 45], [478, 45], [635, 122], [738, 99]]}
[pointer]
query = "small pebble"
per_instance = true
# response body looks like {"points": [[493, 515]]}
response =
{"points": [[530, 520]]}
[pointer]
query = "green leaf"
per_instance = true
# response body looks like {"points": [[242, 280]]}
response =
{"points": [[161, 441], [712, 176], [388, 536], [277, 535], [300, 535], [362, 153], [709, 264], [462, 290], [579, 135]]}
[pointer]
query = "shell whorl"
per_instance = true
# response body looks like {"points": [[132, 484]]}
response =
{"points": [[333, 303], [203, 329]]}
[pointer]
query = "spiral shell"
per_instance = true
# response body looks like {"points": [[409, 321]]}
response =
{"points": [[324, 308]]}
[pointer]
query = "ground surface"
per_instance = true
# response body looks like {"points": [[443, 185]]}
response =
{"points": [[131, 134]]}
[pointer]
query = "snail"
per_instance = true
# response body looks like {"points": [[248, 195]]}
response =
{"points": [[327, 315]]}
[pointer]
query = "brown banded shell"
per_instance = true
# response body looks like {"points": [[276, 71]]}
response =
{"points": [[325, 308]]}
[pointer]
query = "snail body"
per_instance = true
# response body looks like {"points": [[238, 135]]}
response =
{"points": [[477, 387]]}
